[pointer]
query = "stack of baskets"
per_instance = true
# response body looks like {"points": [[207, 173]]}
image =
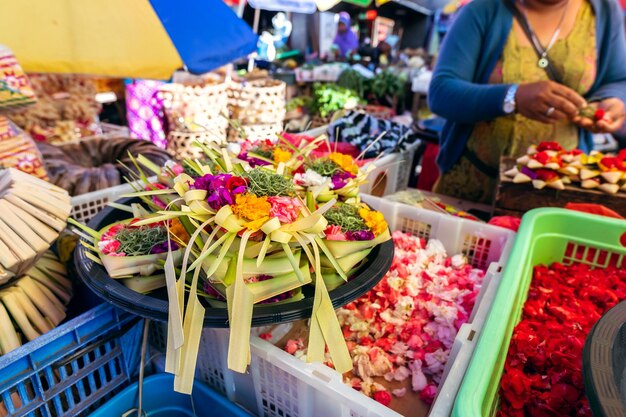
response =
{"points": [[195, 112], [259, 107]]}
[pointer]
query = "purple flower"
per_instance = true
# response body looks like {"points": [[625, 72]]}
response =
{"points": [[215, 186], [340, 179], [240, 190], [162, 247], [219, 198], [527, 171], [279, 297], [209, 290], [210, 182], [360, 235], [254, 162]]}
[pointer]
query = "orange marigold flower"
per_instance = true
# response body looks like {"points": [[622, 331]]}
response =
{"points": [[374, 220], [251, 207], [345, 162], [177, 229], [281, 155]]}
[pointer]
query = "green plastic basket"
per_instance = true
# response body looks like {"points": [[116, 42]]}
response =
{"points": [[545, 236]]}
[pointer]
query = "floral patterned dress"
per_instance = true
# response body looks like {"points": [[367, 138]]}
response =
{"points": [[575, 58]]}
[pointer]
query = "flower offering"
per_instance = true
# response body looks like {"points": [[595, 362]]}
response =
{"points": [[255, 235], [549, 165]]}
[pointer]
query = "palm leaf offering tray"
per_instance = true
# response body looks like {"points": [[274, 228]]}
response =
{"points": [[549, 165], [273, 235], [34, 212]]}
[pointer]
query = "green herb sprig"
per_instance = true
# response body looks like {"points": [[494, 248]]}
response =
{"points": [[347, 217], [265, 183], [324, 167], [136, 241]]}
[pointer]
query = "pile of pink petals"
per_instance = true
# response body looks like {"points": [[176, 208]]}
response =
{"points": [[405, 327]]}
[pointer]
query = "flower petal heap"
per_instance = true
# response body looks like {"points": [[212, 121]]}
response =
{"points": [[543, 370], [404, 328]]}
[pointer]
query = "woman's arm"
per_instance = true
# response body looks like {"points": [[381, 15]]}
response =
{"points": [[614, 79], [453, 94], [611, 95]]}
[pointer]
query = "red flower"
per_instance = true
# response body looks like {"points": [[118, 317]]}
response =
{"points": [[155, 186], [383, 397], [612, 162], [599, 115], [235, 182], [542, 157], [549, 146], [112, 247], [547, 175]]}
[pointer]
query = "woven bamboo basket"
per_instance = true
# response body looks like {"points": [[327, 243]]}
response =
{"points": [[194, 107], [255, 132], [180, 143], [259, 102]]}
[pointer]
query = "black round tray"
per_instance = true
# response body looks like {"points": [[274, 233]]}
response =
{"points": [[604, 364], [154, 306]]}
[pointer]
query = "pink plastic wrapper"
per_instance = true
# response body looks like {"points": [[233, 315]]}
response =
{"points": [[507, 222], [145, 111]]}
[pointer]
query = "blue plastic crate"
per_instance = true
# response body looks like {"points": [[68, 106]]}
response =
{"points": [[74, 368], [160, 400]]}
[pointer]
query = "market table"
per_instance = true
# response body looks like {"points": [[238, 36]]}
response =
{"points": [[516, 199]]}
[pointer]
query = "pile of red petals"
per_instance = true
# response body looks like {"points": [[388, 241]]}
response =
{"points": [[405, 327], [543, 371]]}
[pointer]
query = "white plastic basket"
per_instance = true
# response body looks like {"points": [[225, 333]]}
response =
{"points": [[403, 173], [383, 179], [86, 206], [280, 385]]}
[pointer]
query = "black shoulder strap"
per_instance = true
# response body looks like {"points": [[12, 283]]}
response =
{"points": [[552, 72]]}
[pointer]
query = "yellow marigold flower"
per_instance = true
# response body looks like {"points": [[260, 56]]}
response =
{"points": [[281, 155], [374, 220], [345, 162], [251, 207]]}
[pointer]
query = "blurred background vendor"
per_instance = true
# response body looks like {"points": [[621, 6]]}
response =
{"points": [[346, 40]]}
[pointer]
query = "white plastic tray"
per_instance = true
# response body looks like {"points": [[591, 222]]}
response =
{"points": [[280, 385], [86, 206]]}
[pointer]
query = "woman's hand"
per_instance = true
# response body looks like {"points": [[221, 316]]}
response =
{"points": [[614, 117], [548, 102]]}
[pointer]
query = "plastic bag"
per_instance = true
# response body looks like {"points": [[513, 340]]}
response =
{"points": [[590, 208], [18, 150], [15, 88]]}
